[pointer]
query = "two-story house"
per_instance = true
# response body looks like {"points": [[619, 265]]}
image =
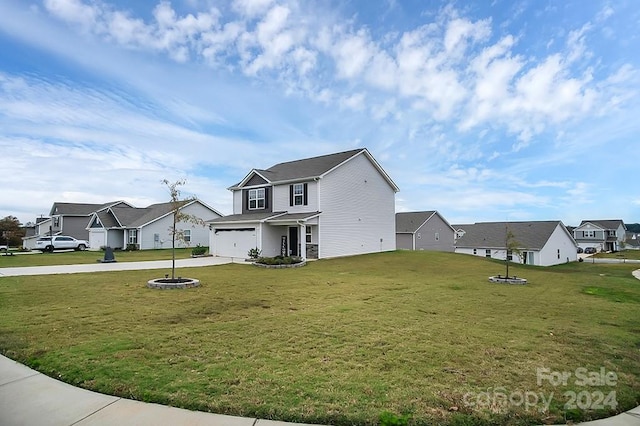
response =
{"points": [[604, 235], [332, 205], [71, 218]]}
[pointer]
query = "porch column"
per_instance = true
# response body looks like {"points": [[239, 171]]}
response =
{"points": [[303, 241]]}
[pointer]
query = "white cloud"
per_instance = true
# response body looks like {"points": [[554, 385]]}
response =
{"points": [[74, 11]]}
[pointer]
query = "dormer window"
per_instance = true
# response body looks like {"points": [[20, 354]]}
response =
{"points": [[256, 199]]}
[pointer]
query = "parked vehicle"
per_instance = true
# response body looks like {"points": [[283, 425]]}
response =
{"points": [[4, 248], [590, 250], [60, 242], [580, 250]]}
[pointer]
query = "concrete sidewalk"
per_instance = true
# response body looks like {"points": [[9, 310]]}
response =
{"points": [[31, 398], [118, 266]]}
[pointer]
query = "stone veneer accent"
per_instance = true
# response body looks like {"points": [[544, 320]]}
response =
{"points": [[292, 265]]}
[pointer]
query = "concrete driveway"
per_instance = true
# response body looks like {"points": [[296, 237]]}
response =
{"points": [[118, 266]]}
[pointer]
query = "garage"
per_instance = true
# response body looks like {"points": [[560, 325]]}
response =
{"points": [[96, 239], [233, 242]]}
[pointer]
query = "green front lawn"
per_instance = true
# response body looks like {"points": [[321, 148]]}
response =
{"points": [[340, 341], [81, 257], [624, 254]]}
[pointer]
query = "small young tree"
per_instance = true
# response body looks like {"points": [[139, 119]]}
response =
{"points": [[512, 247], [179, 217]]}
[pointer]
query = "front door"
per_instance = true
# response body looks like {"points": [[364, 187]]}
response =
{"points": [[293, 241]]}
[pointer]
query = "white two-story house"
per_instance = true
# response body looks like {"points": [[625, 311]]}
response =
{"points": [[332, 205]]}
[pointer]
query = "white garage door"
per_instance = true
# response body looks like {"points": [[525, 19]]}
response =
{"points": [[96, 239], [234, 242]]}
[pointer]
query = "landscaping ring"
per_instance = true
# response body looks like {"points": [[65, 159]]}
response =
{"points": [[176, 283], [508, 280]]}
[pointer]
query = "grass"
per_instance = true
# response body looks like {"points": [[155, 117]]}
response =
{"points": [[342, 341], [625, 254], [83, 257]]}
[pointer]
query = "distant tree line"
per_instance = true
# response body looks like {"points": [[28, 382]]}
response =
{"points": [[633, 227]]}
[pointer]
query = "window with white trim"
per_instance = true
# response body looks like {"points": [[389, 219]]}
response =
{"points": [[256, 199], [186, 234], [298, 194], [487, 253], [133, 236], [308, 233], [589, 234]]}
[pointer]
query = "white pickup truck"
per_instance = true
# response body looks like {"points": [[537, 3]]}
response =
{"points": [[3, 248], [60, 242]]}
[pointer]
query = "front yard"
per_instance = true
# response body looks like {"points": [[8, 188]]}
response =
{"points": [[341, 341]]}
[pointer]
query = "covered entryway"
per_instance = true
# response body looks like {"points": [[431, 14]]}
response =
{"points": [[234, 242], [294, 247]]}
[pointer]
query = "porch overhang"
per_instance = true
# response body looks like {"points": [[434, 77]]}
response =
{"points": [[293, 219]]}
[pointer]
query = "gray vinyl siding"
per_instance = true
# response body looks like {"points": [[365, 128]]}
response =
{"points": [[255, 180], [281, 202], [425, 236], [358, 210], [404, 241], [75, 226], [199, 233]]}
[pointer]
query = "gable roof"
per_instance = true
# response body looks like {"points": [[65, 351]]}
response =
{"points": [[80, 209], [134, 217], [605, 224], [309, 168], [410, 222], [529, 235]]}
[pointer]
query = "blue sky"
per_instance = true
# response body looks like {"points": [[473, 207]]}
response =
{"points": [[502, 110]]}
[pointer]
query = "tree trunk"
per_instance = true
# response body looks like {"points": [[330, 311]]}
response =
{"points": [[173, 249]]}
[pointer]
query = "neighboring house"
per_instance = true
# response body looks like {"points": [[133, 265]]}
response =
{"points": [[604, 235], [123, 226], [332, 205], [71, 218], [424, 231], [35, 231], [632, 241], [542, 243]]}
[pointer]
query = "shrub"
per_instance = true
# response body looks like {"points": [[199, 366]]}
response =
{"points": [[198, 250], [254, 253], [132, 247], [279, 260]]}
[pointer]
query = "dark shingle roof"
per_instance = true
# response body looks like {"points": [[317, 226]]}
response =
{"points": [[246, 217], [605, 224], [78, 209], [107, 219], [308, 167], [528, 235], [305, 168], [409, 222], [132, 217]]}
